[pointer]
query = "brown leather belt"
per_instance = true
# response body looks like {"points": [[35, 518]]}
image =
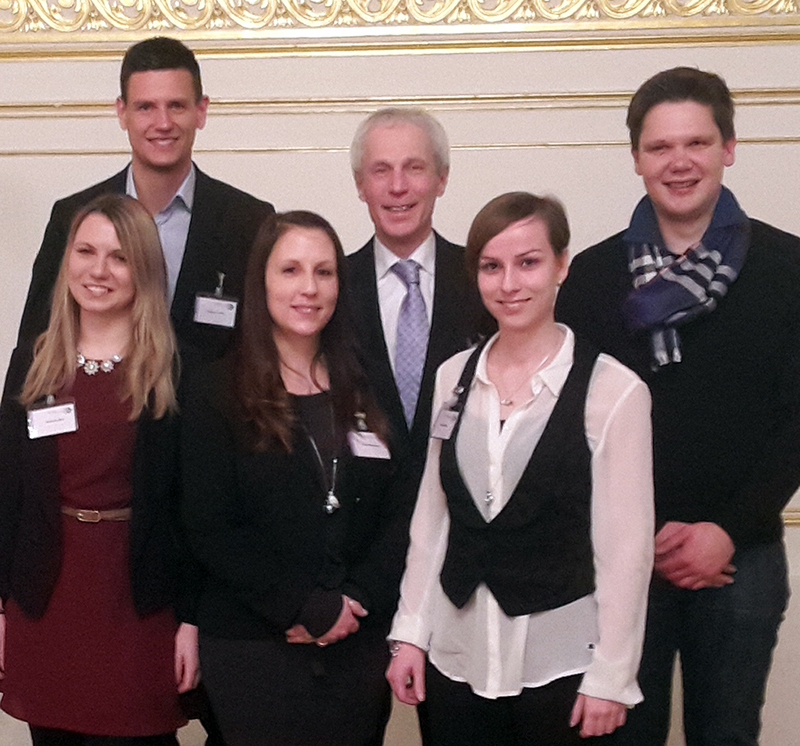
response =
{"points": [[95, 516]]}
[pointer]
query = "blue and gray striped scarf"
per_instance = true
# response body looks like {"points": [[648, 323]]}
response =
{"points": [[671, 290]]}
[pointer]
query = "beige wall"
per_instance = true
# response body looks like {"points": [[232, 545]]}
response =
{"points": [[541, 120]]}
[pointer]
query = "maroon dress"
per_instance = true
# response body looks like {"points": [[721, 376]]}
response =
{"points": [[90, 664]]}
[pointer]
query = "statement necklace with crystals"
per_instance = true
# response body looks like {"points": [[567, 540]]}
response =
{"points": [[90, 367]]}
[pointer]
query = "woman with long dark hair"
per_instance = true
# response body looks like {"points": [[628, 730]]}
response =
{"points": [[284, 461], [90, 548]]}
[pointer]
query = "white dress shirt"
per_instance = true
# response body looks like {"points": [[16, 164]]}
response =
{"points": [[173, 226], [392, 290], [599, 635]]}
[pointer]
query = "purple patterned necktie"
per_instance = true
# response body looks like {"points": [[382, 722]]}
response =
{"points": [[412, 338]]}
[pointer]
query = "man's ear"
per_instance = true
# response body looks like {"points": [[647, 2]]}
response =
{"points": [[121, 108], [202, 112], [729, 147], [443, 176], [635, 154], [359, 185]]}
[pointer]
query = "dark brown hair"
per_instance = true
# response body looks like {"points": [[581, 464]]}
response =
{"points": [[159, 53], [509, 208], [682, 84], [263, 401]]}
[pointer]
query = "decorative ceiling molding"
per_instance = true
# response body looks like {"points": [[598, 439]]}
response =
{"points": [[497, 102], [235, 27]]}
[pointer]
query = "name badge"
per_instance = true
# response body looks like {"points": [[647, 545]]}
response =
{"points": [[365, 444], [209, 309], [52, 420], [443, 424]]}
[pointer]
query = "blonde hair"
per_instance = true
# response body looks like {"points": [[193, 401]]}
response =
{"points": [[151, 357]]}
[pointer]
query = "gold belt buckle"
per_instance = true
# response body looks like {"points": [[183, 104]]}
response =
{"points": [[88, 516]]}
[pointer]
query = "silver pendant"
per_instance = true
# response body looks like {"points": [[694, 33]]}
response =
{"points": [[331, 503]]}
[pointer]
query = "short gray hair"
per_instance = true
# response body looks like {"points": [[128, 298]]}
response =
{"points": [[402, 115]]}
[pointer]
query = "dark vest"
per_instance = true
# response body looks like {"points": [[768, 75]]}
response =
{"points": [[536, 554]]}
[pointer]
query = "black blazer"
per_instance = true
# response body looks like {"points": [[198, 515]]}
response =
{"points": [[30, 518], [458, 320], [257, 523], [223, 225]]}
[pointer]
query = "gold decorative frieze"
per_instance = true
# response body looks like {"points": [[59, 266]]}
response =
{"points": [[402, 23], [65, 16]]}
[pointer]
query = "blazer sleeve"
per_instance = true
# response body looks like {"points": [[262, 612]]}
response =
{"points": [[12, 430], [374, 573], [775, 475]]}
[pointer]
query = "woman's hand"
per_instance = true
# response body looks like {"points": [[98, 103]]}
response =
{"points": [[406, 674], [597, 717], [187, 659], [346, 624]]}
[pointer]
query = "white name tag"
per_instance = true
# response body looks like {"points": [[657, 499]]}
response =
{"points": [[443, 424], [209, 309], [53, 420], [367, 445]]}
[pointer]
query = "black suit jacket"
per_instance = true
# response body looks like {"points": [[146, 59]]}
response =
{"points": [[458, 320], [223, 225], [30, 517]]}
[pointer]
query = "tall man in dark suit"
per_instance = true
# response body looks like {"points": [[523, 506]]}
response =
{"points": [[703, 303], [408, 319], [206, 226]]}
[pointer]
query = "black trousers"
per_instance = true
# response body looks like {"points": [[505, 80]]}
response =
{"points": [[57, 737], [270, 693], [536, 717]]}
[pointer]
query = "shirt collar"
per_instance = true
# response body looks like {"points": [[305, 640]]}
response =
{"points": [[553, 375], [424, 255], [185, 193]]}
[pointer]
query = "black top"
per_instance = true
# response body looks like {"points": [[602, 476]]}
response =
{"points": [[257, 522], [726, 420]]}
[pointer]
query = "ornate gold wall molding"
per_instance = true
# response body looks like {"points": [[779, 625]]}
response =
{"points": [[319, 26], [267, 106]]}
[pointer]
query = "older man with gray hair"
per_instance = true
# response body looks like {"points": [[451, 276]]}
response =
{"points": [[413, 304]]}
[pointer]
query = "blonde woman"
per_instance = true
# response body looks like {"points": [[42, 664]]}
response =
{"points": [[88, 543]]}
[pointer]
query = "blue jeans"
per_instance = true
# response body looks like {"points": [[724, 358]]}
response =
{"points": [[725, 637]]}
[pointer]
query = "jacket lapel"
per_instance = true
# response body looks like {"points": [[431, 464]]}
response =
{"points": [[201, 258], [374, 352]]}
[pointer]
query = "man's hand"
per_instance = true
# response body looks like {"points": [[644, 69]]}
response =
{"points": [[694, 555]]}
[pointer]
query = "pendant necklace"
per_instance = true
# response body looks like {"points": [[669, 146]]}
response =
{"points": [[331, 501], [509, 400], [309, 382]]}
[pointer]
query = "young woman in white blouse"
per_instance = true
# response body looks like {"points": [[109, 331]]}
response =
{"points": [[531, 543]]}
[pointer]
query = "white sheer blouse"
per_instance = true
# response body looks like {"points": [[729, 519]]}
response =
{"points": [[599, 635]]}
